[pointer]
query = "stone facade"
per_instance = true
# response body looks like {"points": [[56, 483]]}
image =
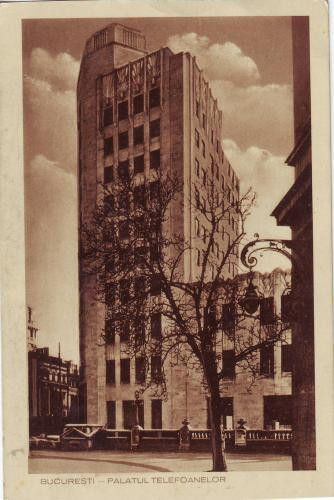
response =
{"points": [[295, 211], [138, 109]]}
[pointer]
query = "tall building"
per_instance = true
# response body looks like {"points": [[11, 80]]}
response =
{"points": [[143, 113], [295, 211]]}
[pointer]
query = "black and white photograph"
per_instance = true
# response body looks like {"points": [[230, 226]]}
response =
{"points": [[170, 275]]}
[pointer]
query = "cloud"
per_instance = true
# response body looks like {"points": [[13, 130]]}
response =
{"points": [[60, 71], [270, 178], [219, 61], [51, 253], [50, 123], [252, 113], [257, 114], [50, 107]]}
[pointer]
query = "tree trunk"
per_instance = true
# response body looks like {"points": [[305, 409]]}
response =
{"points": [[218, 454]]}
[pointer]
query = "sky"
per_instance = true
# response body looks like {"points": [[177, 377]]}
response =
{"points": [[248, 62]]}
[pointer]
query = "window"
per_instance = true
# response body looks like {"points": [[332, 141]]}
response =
{"points": [[197, 199], [197, 167], [197, 109], [123, 170], [138, 164], [203, 148], [228, 363], [108, 146], [154, 129], [286, 355], [108, 175], [139, 227], [140, 370], [267, 311], [212, 137], [156, 369], [155, 158], [217, 172], [139, 196], [109, 203], [129, 413], [154, 97], [124, 331], [123, 140], [154, 190], [197, 231], [111, 414], [140, 331], [223, 183], [123, 200], [138, 104], [277, 408], [205, 235], [123, 111], [140, 254], [212, 163], [125, 371], [217, 146], [124, 230], [267, 360], [108, 116], [139, 285], [156, 326], [156, 413], [110, 371], [196, 138], [286, 308], [154, 252], [109, 331], [204, 177], [124, 291], [155, 285], [138, 135], [229, 170], [198, 257], [110, 294], [204, 121], [228, 315]]}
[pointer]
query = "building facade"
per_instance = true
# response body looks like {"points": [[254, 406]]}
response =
{"points": [[53, 382], [146, 113], [295, 211]]}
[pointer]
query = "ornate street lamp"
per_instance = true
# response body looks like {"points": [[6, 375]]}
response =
{"points": [[251, 300]]}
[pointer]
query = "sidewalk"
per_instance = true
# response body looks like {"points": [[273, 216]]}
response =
{"points": [[45, 461]]}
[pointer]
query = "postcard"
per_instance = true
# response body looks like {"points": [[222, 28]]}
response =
{"points": [[166, 249]]}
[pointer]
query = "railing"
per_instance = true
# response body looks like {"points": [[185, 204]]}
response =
{"points": [[184, 439], [269, 435]]}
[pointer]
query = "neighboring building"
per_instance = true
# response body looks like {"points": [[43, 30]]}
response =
{"points": [[31, 331], [141, 113], [53, 383], [266, 399], [295, 211]]}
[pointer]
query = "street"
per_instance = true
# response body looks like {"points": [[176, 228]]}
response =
{"points": [[117, 462]]}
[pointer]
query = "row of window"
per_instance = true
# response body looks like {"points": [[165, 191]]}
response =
{"points": [[267, 312], [123, 329], [123, 168], [130, 409], [203, 122], [127, 288], [140, 370], [266, 361], [200, 143], [138, 137], [137, 107], [141, 194]]}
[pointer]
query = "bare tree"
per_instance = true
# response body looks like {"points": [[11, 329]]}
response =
{"points": [[137, 253]]}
